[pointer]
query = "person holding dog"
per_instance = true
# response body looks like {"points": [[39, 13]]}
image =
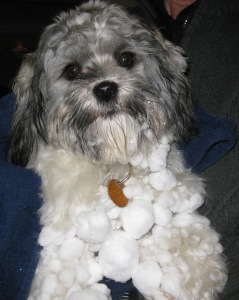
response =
{"points": [[207, 31]]}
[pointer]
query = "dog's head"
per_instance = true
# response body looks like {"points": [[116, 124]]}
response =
{"points": [[101, 83]]}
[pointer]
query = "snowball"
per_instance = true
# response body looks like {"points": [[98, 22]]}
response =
{"points": [[71, 249], [148, 277], [94, 270], [163, 180], [162, 236], [186, 202], [162, 215], [146, 242], [165, 139], [137, 218], [186, 219], [147, 196], [164, 257], [131, 191], [49, 284], [101, 288], [74, 288], [161, 295], [88, 294], [136, 159], [70, 233], [114, 212], [180, 206], [50, 236], [43, 297], [93, 226], [67, 277], [158, 158], [165, 199], [106, 204], [171, 284], [55, 265], [119, 256], [145, 180], [144, 164], [149, 134], [82, 274], [196, 201], [116, 224]]}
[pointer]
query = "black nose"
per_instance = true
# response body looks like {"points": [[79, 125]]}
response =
{"points": [[105, 91]]}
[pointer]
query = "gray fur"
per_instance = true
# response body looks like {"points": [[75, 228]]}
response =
{"points": [[64, 113]]}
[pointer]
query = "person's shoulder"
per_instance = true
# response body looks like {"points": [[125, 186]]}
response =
{"points": [[218, 7]]}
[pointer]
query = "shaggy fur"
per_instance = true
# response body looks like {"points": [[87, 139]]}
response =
{"points": [[101, 88]]}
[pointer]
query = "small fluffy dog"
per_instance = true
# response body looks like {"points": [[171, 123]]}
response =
{"points": [[101, 105]]}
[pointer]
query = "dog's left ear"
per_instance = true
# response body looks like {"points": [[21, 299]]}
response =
{"points": [[23, 134], [180, 110]]}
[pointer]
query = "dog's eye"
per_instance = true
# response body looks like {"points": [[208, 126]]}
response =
{"points": [[126, 60], [72, 71]]}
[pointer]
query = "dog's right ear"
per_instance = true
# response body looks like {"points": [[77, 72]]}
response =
{"points": [[23, 134]]}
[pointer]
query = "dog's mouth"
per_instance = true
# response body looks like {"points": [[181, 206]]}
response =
{"points": [[113, 99], [111, 113], [114, 112]]}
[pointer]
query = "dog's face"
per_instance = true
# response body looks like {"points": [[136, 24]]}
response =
{"points": [[101, 84]]}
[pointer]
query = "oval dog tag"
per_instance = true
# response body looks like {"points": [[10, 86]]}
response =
{"points": [[115, 190]]}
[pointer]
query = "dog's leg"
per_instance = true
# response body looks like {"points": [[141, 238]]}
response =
{"points": [[69, 183]]}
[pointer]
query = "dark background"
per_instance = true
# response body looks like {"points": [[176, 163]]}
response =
{"points": [[21, 23]]}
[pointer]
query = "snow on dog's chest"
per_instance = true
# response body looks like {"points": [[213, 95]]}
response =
{"points": [[138, 241]]}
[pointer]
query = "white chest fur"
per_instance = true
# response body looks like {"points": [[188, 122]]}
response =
{"points": [[158, 239]]}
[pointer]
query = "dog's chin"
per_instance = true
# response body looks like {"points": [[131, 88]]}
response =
{"points": [[114, 137]]}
